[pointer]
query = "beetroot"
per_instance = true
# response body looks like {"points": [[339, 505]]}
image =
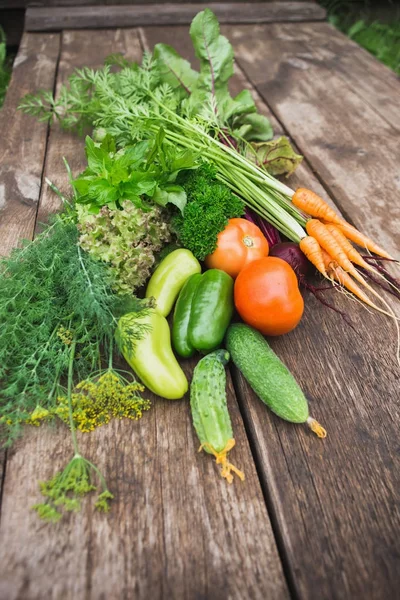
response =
{"points": [[291, 253]]}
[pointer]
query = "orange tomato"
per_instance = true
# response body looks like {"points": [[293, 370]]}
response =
{"points": [[239, 244], [267, 296]]}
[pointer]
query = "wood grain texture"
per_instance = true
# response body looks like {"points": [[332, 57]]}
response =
{"points": [[23, 139], [353, 149], [378, 85], [85, 17], [334, 502], [176, 529]]}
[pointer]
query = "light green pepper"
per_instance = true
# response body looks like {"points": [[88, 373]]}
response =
{"points": [[169, 278], [151, 355]]}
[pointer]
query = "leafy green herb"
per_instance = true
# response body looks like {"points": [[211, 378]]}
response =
{"points": [[65, 489], [210, 205], [147, 168], [106, 98]]}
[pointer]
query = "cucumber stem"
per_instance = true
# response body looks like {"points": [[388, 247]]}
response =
{"points": [[222, 459], [316, 427]]}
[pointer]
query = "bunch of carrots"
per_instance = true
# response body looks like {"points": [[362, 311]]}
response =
{"points": [[328, 247]]}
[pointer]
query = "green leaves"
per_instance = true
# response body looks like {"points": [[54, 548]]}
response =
{"points": [[175, 70], [277, 157], [148, 169], [216, 60], [171, 194], [253, 127]]}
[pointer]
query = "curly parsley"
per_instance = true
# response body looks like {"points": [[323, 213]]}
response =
{"points": [[209, 206]]}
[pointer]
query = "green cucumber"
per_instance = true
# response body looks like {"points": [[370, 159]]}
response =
{"points": [[268, 376], [209, 409]]}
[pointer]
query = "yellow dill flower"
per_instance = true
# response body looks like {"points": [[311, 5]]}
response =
{"points": [[65, 335], [97, 402], [39, 415]]}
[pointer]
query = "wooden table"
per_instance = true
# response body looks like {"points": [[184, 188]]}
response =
{"points": [[314, 519]]}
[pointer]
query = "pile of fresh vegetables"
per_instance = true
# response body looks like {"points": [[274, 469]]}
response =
{"points": [[171, 238]]}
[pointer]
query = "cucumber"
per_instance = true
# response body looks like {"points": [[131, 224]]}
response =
{"points": [[209, 409], [268, 376]]}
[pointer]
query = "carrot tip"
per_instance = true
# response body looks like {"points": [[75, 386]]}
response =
{"points": [[316, 427]]}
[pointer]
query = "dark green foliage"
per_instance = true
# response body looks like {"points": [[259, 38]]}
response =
{"points": [[209, 206], [51, 292], [358, 20], [5, 68], [380, 39]]}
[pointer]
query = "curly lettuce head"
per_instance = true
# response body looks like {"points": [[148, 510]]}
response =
{"points": [[127, 239]]}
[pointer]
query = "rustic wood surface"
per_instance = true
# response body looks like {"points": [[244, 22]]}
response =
{"points": [[47, 3], [23, 141], [176, 530], [89, 17]]}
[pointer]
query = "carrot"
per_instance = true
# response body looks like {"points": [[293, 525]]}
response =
{"points": [[313, 251], [345, 279], [326, 240], [351, 252], [362, 240], [312, 204]]}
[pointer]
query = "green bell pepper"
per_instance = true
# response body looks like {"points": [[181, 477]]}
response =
{"points": [[202, 313], [151, 355], [169, 277]]}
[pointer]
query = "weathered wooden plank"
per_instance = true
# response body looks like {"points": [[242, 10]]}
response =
{"points": [[354, 150], [23, 140], [87, 17], [176, 529], [377, 84], [335, 503], [36, 3]]}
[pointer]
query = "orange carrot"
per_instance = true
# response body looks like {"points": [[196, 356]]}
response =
{"points": [[329, 263], [312, 204], [326, 240], [351, 252], [312, 250], [361, 240], [345, 279]]}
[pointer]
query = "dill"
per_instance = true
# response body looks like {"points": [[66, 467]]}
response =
{"points": [[52, 292]]}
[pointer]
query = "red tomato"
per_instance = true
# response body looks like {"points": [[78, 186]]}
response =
{"points": [[267, 296], [239, 244]]}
